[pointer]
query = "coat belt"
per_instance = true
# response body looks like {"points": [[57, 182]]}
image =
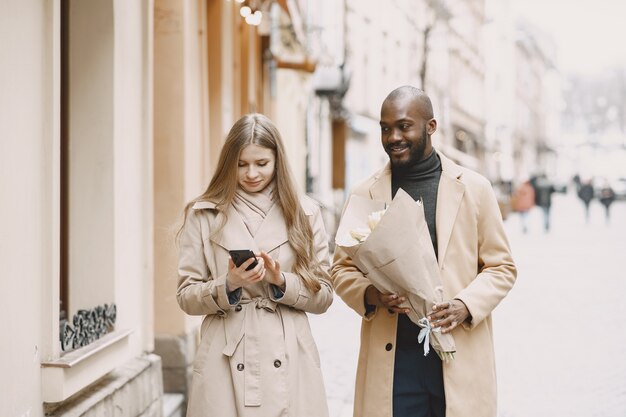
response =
{"points": [[247, 323]]}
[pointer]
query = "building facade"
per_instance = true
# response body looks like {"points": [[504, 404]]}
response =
{"points": [[77, 192], [113, 115]]}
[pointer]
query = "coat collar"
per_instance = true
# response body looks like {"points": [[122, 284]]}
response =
{"points": [[271, 234], [449, 197], [381, 188]]}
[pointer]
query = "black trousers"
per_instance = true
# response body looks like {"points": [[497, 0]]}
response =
{"points": [[417, 379]]}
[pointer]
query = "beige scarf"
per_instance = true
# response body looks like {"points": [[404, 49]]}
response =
{"points": [[253, 207]]}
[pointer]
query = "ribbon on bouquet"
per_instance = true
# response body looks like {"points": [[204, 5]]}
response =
{"points": [[424, 334]]}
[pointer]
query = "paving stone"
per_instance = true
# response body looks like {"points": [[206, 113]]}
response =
{"points": [[560, 336]]}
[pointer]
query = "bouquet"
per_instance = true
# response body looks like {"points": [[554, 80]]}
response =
{"points": [[391, 246]]}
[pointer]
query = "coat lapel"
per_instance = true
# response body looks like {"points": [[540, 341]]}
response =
{"points": [[381, 188], [449, 197], [235, 234], [273, 231]]}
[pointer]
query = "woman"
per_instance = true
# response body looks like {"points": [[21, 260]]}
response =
{"points": [[256, 356], [523, 200]]}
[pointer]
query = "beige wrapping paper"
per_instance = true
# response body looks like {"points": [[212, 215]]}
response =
{"points": [[398, 257]]}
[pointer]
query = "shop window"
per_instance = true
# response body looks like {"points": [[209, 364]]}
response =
{"points": [[86, 261], [89, 348]]}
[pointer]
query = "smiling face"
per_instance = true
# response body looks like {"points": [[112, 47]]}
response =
{"points": [[405, 131], [255, 168]]}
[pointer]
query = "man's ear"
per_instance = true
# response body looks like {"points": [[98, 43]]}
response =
{"points": [[431, 126]]}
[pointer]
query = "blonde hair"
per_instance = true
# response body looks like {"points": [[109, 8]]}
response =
{"points": [[255, 128]]}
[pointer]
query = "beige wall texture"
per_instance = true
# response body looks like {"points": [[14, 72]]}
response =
{"points": [[179, 144], [111, 158], [26, 146], [290, 118]]}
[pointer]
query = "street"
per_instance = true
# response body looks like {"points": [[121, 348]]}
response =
{"points": [[559, 336]]}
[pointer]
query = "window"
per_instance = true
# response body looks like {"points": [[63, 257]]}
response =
{"points": [[86, 220]]}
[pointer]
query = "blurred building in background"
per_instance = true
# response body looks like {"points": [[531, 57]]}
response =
{"points": [[433, 45], [593, 129], [113, 115], [537, 103], [523, 100], [492, 79]]}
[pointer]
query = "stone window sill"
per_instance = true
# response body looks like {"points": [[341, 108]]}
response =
{"points": [[75, 370]]}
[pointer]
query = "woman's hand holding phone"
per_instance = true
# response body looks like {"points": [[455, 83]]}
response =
{"points": [[273, 274], [239, 277]]}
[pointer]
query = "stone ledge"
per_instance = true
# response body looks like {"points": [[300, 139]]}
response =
{"points": [[76, 370], [133, 389], [173, 405], [177, 353]]}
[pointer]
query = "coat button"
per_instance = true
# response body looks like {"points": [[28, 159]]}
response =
{"points": [[277, 363], [390, 311], [388, 347], [238, 308], [240, 366]]}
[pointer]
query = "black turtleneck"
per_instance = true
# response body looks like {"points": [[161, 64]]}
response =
{"points": [[420, 181]]}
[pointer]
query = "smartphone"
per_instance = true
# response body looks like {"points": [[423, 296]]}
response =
{"points": [[241, 255]]}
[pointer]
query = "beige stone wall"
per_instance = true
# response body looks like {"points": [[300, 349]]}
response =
{"points": [[27, 147], [113, 120], [290, 118], [185, 146], [169, 157]]}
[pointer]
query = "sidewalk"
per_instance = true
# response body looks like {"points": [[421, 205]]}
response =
{"points": [[560, 337], [337, 333]]}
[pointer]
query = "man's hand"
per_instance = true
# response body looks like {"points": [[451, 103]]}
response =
{"points": [[448, 315], [389, 301]]}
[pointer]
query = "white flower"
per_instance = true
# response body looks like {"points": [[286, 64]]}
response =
{"points": [[374, 218], [360, 234]]}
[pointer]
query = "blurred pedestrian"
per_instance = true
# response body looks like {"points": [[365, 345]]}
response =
{"points": [[585, 193], [522, 201], [576, 180], [543, 197], [607, 196], [477, 271], [256, 356]]}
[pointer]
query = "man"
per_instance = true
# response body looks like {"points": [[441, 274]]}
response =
{"points": [[585, 193], [543, 197], [394, 378]]}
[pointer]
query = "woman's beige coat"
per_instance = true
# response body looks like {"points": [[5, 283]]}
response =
{"points": [[476, 267], [257, 356]]}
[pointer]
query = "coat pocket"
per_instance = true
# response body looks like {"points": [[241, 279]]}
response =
{"points": [[207, 336], [306, 343]]}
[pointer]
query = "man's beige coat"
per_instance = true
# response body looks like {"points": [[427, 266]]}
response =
{"points": [[476, 267], [257, 357]]}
